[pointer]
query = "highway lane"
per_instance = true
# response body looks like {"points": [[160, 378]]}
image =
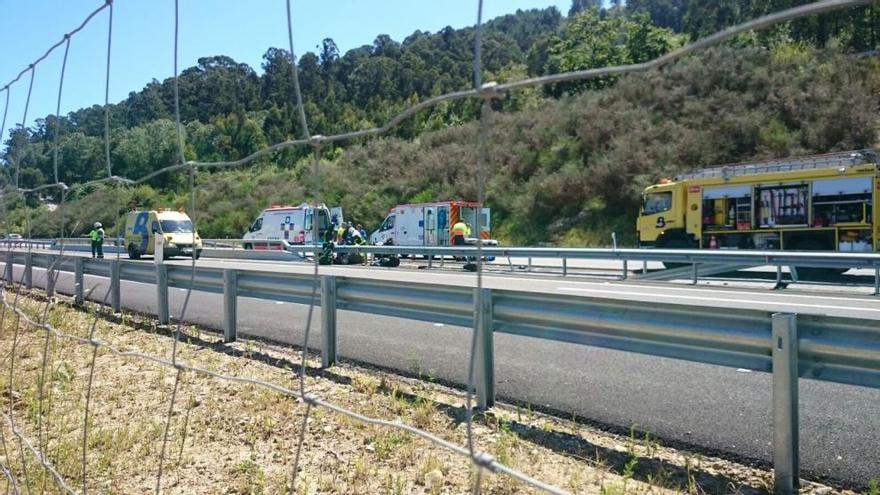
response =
{"points": [[717, 408], [631, 290]]}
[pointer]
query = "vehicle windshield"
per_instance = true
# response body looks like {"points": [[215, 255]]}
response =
{"points": [[657, 202], [176, 226]]}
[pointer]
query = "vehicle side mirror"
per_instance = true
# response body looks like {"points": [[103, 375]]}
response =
{"points": [[155, 230]]}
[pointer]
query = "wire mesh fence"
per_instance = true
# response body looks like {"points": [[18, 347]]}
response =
{"points": [[36, 448]]}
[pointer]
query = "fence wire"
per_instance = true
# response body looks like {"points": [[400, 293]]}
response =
{"points": [[486, 92]]}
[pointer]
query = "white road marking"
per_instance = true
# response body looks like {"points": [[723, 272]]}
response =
{"points": [[729, 298]]}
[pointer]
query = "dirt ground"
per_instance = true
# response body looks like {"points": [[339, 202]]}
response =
{"points": [[231, 437]]}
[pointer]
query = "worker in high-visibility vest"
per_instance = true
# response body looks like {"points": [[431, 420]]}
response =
{"points": [[459, 232], [97, 238]]}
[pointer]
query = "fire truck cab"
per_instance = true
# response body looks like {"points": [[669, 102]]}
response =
{"points": [[430, 224]]}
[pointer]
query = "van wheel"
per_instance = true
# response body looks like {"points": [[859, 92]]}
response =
{"points": [[133, 252]]}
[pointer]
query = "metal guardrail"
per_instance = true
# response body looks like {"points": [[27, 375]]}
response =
{"points": [[702, 262], [813, 259], [707, 261], [24, 243], [818, 259], [834, 349], [248, 244]]}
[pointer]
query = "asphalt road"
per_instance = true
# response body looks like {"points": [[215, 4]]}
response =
{"points": [[716, 408]]}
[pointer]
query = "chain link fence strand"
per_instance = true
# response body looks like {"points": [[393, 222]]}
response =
{"points": [[10, 397], [16, 155], [478, 294], [5, 113], [107, 88], [191, 170], [316, 187], [52, 273], [486, 92]]}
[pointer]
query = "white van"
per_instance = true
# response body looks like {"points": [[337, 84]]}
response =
{"points": [[430, 224], [292, 224]]}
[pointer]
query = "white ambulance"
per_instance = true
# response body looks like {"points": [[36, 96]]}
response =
{"points": [[430, 224], [292, 224]]}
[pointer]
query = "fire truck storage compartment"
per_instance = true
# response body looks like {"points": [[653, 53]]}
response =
{"points": [[855, 241], [781, 205], [842, 201], [742, 240], [728, 207]]}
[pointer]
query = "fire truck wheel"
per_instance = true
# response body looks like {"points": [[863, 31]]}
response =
{"points": [[674, 243], [813, 273]]}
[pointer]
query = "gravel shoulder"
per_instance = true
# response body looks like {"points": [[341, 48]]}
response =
{"points": [[232, 437]]}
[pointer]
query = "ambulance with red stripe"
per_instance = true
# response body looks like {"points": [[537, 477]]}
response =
{"points": [[430, 224], [293, 224]]}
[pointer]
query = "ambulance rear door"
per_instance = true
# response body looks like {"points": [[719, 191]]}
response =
{"points": [[430, 225], [410, 226], [336, 215], [443, 225]]}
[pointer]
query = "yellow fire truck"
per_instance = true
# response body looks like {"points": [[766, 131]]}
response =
{"points": [[815, 203]]}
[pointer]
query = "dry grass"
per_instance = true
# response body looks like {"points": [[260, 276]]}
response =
{"points": [[236, 438]]}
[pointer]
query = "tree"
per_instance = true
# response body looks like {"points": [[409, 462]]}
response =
{"points": [[664, 13], [329, 53], [578, 6], [590, 41]]}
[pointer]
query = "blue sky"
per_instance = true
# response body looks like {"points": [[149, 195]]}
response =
{"points": [[244, 29]]}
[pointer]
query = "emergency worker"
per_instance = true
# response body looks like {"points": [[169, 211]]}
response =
{"points": [[460, 231], [97, 238], [354, 236], [340, 233]]}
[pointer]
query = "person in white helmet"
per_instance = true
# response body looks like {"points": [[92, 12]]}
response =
{"points": [[97, 237]]}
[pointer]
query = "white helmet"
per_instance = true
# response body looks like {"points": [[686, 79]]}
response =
{"points": [[97, 225]]}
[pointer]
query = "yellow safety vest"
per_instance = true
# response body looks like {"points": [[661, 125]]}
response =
{"points": [[460, 228]]}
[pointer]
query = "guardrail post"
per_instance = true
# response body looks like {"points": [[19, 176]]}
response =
{"points": [[625, 273], [645, 267], [162, 312], [115, 289], [8, 273], [230, 304], [785, 403], [328, 321], [28, 271], [564, 266], [877, 280], [79, 289], [696, 273], [52, 274], [484, 360]]}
